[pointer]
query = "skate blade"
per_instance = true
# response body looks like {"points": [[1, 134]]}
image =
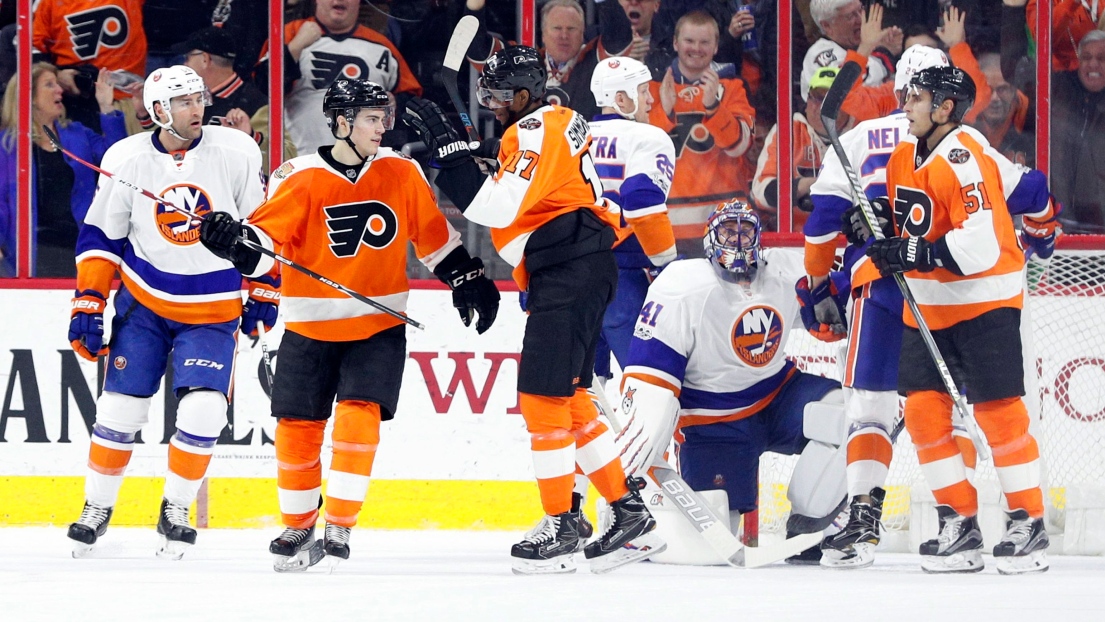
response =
{"points": [[1035, 561], [332, 563], [861, 556], [636, 550], [301, 561], [172, 549], [80, 549], [966, 561], [558, 565]]}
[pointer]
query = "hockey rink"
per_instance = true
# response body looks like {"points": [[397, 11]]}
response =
{"points": [[465, 575]]}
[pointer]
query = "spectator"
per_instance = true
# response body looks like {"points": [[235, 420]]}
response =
{"points": [[1070, 21], [167, 24], [1078, 138], [705, 110], [810, 141], [640, 14], [1007, 113], [842, 23], [61, 188], [329, 45], [81, 37], [568, 60]]}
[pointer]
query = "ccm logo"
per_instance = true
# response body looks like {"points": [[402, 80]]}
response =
{"points": [[87, 304], [202, 363], [265, 294]]}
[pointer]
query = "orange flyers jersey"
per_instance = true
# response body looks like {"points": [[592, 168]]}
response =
{"points": [[808, 151], [708, 148], [957, 194], [545, 170], [104, 33], [354, 231]]}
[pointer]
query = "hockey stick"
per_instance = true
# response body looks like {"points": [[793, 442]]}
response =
{"points": [[702, 517], [455, 54], [830, 109], [244, 241], [265, 354]]}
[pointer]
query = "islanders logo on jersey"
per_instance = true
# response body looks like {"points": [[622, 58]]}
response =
{"points": [[178, 227], [757, 335]]}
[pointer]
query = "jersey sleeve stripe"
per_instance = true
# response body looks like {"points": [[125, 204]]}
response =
{"points": [[304, 309], [652, 356], [93, 239]]}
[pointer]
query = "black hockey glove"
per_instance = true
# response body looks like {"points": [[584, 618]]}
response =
{"points": [[473, 293], [222, 235], [855, 225], [894, 255], [433, 128]]}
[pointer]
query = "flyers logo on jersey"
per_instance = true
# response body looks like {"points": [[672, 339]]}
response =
{"points": [[372, 222], [90, 30], [326, 67], [177, 227], [757, 334]]}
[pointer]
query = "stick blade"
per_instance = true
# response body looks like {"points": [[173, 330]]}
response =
{"points": [[462, 37], [757, 556], [842, 84]]}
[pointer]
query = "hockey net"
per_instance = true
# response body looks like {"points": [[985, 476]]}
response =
{"points": [[1066, 309]]}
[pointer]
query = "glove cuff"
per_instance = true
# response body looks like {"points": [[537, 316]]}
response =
{"points": [[88, 301]]}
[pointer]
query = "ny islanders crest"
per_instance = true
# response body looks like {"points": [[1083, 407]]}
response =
{"points": [[757, 335]]}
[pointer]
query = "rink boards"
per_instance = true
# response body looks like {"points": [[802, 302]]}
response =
{"points": [[456, 456]]}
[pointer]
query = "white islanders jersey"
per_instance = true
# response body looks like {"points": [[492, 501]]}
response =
{"points": [[718, 346], [157, 249]]}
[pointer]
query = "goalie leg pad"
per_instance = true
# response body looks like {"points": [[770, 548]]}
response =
{"points": [[818, 483], [649, 414]]}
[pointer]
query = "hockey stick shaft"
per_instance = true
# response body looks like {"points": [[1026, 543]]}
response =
{"points": [[265, 353], [455, 54], [830, 109], [702, 517], [246, 242]]}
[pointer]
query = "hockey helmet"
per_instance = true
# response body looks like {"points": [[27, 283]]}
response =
{"points": [[947, 83], [509, 71], [916, 58], [618, 74], [348, 95], [732, 240], [169, 82]]}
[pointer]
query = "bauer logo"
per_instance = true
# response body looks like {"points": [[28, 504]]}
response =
{"points": [[175, 225], [757, 335]]}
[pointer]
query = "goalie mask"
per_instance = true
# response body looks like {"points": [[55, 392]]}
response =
{"points": [[163, 85], [619, 74], [732, 240]]}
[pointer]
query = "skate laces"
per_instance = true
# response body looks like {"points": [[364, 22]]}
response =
{"points": [[338, 534], [545, 531], [1019, 532], [93, 515], [177, 514], [950, 532], [295, 536]]}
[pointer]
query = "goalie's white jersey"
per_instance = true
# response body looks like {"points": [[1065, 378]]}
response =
{"points": [[156, 248], [720, 347]]}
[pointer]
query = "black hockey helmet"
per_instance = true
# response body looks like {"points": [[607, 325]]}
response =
{"points": [[510, 70], [348, 95], [947, 83]]}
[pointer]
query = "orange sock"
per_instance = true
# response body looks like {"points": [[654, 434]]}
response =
{"points": [[298, 470], [549, 421], [928, 417], [1016, 455], [356, 437]]}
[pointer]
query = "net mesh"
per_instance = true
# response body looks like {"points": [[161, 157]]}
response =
{"points": [[1066, 310]]}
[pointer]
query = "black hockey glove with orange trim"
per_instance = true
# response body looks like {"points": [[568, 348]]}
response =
{"points": [[894, 255]]}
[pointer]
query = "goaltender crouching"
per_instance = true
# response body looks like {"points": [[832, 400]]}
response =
{"points": [[346, 212]]}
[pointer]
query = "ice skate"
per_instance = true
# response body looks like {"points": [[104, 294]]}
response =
{"points": [[296, 550], [176, 534], [854, 546], [1023, 547], [629, 538], [548, 547], [89, 527], [336, 544], [586, 530], [958, 548], [808, 557]]}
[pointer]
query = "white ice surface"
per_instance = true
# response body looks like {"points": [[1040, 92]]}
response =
{"points": [[461, 576]]}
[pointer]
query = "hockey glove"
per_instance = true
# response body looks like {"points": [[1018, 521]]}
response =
{"points": [[261, 306], [434, 129], [824, 308], [1039, 236], [473, 293], [896, 254], [855, 224], [221, 234], [86, 324]]}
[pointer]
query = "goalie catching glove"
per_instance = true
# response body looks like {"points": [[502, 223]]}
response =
{"points": [[855, 223], [472, 291], [824, 307]]}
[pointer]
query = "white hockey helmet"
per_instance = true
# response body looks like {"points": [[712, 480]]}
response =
{"points": [[618, 74], [165, 84], [916, 58]]}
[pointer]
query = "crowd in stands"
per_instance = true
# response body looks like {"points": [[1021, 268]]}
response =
{"points": [[714, 83]]}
